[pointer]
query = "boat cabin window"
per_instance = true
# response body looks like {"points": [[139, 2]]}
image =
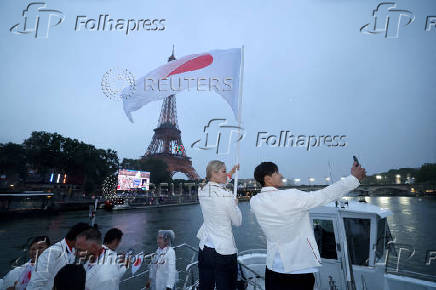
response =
{"points": [[358, 237], [325, 238], [381, 238]]}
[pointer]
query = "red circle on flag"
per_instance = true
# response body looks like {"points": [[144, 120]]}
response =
{"points": [[137, 262], [196, 63]]}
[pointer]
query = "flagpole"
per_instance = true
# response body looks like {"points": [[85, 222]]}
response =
{"points": [[238, 147]]}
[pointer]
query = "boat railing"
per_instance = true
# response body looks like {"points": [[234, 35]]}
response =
{"points": [[189, 274]]}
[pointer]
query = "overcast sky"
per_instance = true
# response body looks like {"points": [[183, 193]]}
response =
{"points": [[308, 70]]}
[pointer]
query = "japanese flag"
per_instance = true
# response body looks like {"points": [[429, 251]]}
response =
{"points": [[216, 71], [137, 263]]}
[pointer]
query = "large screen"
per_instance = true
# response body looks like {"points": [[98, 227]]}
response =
{"points": [[133, 179]]}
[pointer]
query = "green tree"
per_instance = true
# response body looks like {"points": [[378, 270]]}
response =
{"points": [[12, 160], [427, 173]]}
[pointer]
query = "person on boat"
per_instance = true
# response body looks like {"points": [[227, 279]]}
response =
{"points": [[163, 264], [217, 256], [111, 242], [102, 269], [54, 258], [283, 215], [70, 277], [112, 239], [19, 277]]}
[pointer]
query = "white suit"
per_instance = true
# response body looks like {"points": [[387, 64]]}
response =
{"points": [[14, 275], [284, 218], [163, 269], [121, 267], [104, 274], [220, 212], [48, 265]]}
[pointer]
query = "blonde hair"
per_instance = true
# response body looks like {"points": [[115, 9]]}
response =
{"points": [[213, 166]]}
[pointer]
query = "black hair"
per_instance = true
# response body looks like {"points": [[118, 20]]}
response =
{"points": [[91, 234], [264, 169], [111, 235], [70, 277], [41, 239], [76, 230]]}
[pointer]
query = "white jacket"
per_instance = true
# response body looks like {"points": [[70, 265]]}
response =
{"points": [[103, 274], [121, 267], [163, 269], [49, 263], [283, 216], [13, 276], [219, 213]]}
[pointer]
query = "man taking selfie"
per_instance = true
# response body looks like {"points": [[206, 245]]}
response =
{"points": [[283, 215]]}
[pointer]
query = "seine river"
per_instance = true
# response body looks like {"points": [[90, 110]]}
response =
{"points": [[412, 223]]}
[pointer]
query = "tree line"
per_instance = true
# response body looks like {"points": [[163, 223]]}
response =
{"points": [[44, 153]]}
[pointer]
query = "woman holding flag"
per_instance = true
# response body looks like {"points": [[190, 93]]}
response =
{"points": [[217, 256]]}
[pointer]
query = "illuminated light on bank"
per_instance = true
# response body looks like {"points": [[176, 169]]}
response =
{"points": [[378, 177], [59, 177], [65, 179], [51, 177], [297, 180]]}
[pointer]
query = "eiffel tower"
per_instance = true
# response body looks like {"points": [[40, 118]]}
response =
{"points": [[167, 144]]}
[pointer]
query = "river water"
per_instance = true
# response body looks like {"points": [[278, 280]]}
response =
{"points": [[412, 223]]}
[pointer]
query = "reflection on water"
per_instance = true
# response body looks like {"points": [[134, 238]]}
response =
{"points": [[410, 224]]}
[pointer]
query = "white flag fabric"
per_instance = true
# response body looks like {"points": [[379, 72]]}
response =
{"points": [[216, 70]]}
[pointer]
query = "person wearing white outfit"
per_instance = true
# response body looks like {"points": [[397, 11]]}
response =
{"points": [[54, 258], [102, 269], [283, 215], [19, 277], [217, 257], [163, 264], [111, 242]]}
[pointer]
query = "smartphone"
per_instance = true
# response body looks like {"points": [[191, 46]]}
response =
{"points": [[356, 160]]}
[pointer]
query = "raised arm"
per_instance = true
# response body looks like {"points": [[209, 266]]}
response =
{"points": [[307, 200]]}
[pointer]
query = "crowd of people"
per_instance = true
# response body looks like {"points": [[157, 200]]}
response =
{"points": [[83, 260]]}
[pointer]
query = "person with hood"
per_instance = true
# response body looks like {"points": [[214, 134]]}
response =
{"points": [[163, 264]]}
